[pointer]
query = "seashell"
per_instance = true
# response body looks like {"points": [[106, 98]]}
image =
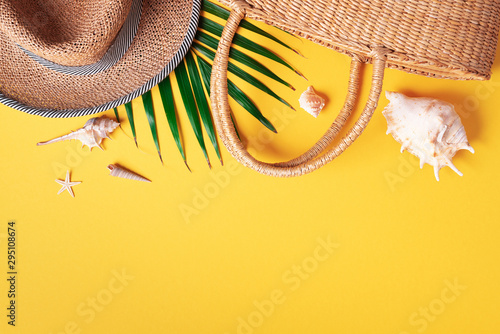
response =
{"points": [[119, 171], [428, 128], [311, 102], [92, 133]]}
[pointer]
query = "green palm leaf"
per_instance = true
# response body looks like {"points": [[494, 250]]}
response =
{"points": [[235, 126], [130, 116], [147, 101], [237, 94], [206, 71], [238, 56], [169, 107], [242, 99], [192, 79], [201, 102], [116, 115], [190, 104], [216, 29], [223, 13], [242, 74]]}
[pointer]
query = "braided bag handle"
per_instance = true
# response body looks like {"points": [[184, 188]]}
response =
{"points": [[311, 160]]}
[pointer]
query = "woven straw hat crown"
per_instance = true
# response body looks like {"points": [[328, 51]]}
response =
{"points": [[65, 58], [71, 33]]}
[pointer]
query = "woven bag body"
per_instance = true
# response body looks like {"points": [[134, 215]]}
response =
{"points": [[447, 38], [452, 39]]}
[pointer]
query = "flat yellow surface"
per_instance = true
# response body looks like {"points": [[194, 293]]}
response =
{"points": [[367, 244]]}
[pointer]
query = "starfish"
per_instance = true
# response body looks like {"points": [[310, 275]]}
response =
{"points": [[67, 184]]}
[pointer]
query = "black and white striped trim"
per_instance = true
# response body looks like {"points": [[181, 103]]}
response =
{"points": [[54, 113], [114, 53]]}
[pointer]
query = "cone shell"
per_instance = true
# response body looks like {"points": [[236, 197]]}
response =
{"points": [[428, 128], [311, 102], [124, 173]]}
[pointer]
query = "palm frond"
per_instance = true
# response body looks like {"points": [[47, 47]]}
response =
{"points": [[190, 104], [168, 105], [116, 115], [130, 116], [232, 68], [147, 100], [238, 95], [241, 41], [192, 76], [224, 14], [201, 102], [206, 72], [237, 55]]}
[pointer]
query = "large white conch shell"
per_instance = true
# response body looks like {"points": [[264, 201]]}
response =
{"points": [[91, 134], [311, 102], [119, 171], [428, 128]]}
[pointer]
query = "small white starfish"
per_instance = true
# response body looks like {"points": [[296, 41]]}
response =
{"points": [[67, 184]]}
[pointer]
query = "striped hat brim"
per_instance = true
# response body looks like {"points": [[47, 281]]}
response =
{"points": [[153, 40]]}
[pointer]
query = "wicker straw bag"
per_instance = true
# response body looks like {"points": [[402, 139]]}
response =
{"points": [[454, 39]]}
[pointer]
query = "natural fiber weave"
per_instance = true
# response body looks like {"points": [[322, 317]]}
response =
{"points": [[454, 39], [27, 85], [443, 39], [71, 33]]}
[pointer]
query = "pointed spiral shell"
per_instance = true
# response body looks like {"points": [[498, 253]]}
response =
{"points": [[124, 173], [428, 128], [92, 133], [311, 102], [102, 126]]}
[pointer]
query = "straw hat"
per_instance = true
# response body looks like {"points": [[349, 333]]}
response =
{"points": [[61, 58]]}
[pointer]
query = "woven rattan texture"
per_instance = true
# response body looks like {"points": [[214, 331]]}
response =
{"points": [[71, 33], [162, 30], [311, 160], [454, 39]]}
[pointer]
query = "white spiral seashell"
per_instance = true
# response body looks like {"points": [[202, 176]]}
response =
{"points": [[92, 133], [119, 171], [311, 102], [428, 128]]}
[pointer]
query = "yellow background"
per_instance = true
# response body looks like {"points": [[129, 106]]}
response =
{"points": [[400, 237]]}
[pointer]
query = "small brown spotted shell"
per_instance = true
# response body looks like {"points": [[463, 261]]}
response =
{"points": [[311, 102]]}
